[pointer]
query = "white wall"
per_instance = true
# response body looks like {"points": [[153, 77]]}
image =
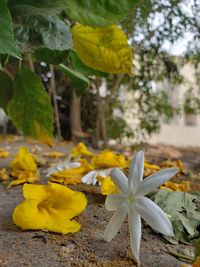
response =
{"points": [[177, 132]]}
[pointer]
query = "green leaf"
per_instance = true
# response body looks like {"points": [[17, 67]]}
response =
{"points": [[48, 4], [50, 56], [183, 213], [40, 26], [79, 81], [30, 107], [6, 90], [99, 13], [7, 41], [79, 66]]}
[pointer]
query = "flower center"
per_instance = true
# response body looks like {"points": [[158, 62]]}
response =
{"points": [[131, 199]]}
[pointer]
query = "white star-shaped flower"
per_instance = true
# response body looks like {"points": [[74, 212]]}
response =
{"points": [[131, 201], [62, 165], [91, 177]]}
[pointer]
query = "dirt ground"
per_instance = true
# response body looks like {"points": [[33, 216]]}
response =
{"points": [[87, 247]]}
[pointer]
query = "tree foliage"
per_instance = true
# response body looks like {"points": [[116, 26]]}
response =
{"points": [[86, 53]]}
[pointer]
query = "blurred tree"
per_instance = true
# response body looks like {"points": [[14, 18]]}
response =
{"points": [[43, 34]]}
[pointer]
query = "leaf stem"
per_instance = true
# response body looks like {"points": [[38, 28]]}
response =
{"points": [[182, 256]]}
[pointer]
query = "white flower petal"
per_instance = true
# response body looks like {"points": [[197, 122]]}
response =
{"points": [[113, 202], [89, 177], [154, 216], [136, 171], [134, 221], [115, 223], [155, 180], [120, 180], [74, 165], [105, 172]]}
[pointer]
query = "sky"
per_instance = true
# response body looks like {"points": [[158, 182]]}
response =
{"points": [[180, 46]]}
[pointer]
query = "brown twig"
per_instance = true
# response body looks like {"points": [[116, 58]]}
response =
{"points": [[53, 92], [30, 62]]}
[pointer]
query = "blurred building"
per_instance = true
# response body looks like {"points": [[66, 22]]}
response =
{"points": [[184, 128]]}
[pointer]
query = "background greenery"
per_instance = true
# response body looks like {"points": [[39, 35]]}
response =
{"points": [[36, 35]]}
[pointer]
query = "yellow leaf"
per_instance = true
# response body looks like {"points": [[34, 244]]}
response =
{"points": [[24, 160], [41, 135], [103, 48], [49, 207]]}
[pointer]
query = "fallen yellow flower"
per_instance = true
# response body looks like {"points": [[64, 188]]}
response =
{"points": [[81, 150], [4, 153], [49, 207], [22, 177], [150, 168], [4, 175], [183, 187], [54, 154], [24, 160], [108, 159], [171, 164], [107, 186], [72, 175]]}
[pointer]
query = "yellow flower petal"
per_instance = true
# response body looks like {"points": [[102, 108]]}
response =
{"points": [[4, 175], [171, 164], [151, 166], [49, 207], [81, 150], [107, 186], [4, 153], [54, 154], [22, 177], [181, 187], [24, 160], [38, 192], [103, 48], [108, 159], [16, 182], [71, 176], [72, 202], [60, 224], [28, 216]]}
